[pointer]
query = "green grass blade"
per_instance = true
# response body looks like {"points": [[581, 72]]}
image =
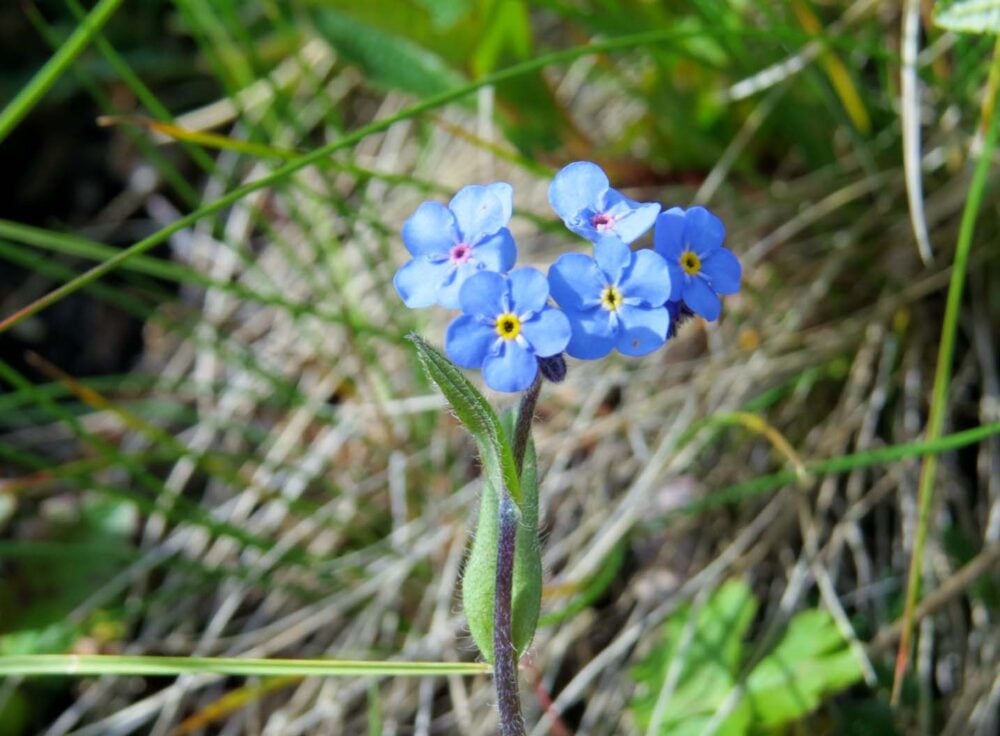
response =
{"points": [[942, 373], [843, 464], [98, 664], [43, 80]]}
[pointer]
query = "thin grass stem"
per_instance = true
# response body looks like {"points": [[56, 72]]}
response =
{"points": [[42, 82], [942, 376], [105, 664]]}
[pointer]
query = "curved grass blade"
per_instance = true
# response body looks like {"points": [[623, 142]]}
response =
{"points": [[323, 152]]}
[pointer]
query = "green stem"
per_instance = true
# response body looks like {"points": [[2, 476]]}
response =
{"points": [[942, 375]]}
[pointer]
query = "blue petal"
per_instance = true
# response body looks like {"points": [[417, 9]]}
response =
{"points": [[418, 282], [450, 290], [548, 332], [468, 340], [576, 281], [647, 279], [723, 269], [497, 252], [581, 226], [578, 186], [633, 218], [478, 213], [677, 280], [703, 231], [504, 192], [431, 229], [613, 257], [668, 236], [484, 294], [698, 295], [511, 368], [529, 290], [594, 333], [642, 330]]}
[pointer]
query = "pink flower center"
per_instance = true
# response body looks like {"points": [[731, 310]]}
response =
{"points": [[460, 254], [602, 221]]}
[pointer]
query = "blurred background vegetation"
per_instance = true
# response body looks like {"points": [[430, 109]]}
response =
{"points": [[223, 447]]}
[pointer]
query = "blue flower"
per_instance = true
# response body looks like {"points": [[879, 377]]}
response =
{"points": [[506, 326], [700, 268], [613, 300], [450, 244], [582, 196]]}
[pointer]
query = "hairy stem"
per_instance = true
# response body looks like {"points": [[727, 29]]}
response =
{"points": [[525, 415], [504, 655]]}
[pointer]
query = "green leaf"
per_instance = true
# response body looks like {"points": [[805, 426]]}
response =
{"points": [[710, 653], [475, 412], [479, 578], [811, 661], [387, 60], [970, 16], [493, 440]]}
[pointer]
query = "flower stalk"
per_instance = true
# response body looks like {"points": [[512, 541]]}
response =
{"points": [[504, 652], [525, 414]]}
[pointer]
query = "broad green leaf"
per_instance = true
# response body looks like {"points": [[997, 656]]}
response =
{"points": [[387, 60], [710, 653], [969, 16], [810, 662]]}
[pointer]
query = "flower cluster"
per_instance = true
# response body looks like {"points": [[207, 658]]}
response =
{"points": [[616, 299]]}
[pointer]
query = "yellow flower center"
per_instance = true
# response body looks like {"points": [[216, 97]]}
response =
{"points": [[508, 326], [611, 298], [690, 262]]}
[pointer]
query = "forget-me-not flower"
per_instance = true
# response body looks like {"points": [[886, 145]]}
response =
{"points": [[700, 268], [582, 196], [614, 300], [450, 244], [506, 326]]}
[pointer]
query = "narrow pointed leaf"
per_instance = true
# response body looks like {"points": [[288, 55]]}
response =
{"points": [[475, 412]]}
